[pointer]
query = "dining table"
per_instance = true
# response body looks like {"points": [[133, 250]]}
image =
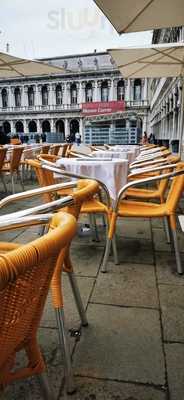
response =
{"points": [[112, 172]]}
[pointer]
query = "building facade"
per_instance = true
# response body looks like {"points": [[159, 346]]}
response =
{"points": [[166, 96], [54, 103]]}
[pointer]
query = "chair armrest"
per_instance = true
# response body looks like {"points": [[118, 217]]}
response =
{"points": [[43, 208], [24, 222], [147, 180], [147, 163], [145, 170], [36, 192]]}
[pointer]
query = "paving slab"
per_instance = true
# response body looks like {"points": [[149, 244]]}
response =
{"points": [[135, 251], [86, 259], [72, 318], [122, 344], [161, 244], [166, 268], [175, 370], [134, 228], [127, 285], [93, 389], [172, 306]]}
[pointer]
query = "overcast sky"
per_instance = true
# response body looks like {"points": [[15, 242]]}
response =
{"points": [[46, 28]]}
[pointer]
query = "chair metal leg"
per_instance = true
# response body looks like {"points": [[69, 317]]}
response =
{"points": [[70, 386], [13, 184], [3, 182], [167, 230], [45, 387], [77, 297], [177, 253], [21, 180], [106, 255], [94, 228], [115, 252]]}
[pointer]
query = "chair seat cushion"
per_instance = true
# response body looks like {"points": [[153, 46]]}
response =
{"points": [[143, 193], [141, 209]]}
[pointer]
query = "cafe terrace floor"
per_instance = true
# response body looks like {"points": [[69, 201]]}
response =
{"points": [[133, 348]]}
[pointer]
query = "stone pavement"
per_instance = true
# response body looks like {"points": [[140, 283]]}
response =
{"points": [[133, 348]]}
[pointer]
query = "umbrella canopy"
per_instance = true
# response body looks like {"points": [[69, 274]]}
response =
{"points": [[141, 15], [157, 61], [13, 67]]}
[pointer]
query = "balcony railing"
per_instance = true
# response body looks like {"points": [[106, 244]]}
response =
{"points": [[64, 107], [137, 103], [41, 108]]}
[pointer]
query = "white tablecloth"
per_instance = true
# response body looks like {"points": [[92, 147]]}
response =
{"points": [[112, 173], [110, 154]]}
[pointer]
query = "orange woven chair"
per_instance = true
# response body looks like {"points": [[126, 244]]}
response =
{"points": [[54, 150], [3, 152], [85, 189], [128, 208], [45, 148], [45, 176], [158, 192], [25, 275], [12, 167]]}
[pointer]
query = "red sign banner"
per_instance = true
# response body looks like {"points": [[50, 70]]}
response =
{"points": [[100, 108]]}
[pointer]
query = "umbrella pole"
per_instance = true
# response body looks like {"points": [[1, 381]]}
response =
{"points": [[181, 121]]}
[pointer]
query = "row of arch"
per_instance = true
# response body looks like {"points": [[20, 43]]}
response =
{"points": [[137, 93], [46, 126]]}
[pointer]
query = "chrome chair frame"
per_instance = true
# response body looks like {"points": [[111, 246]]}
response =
{"points": [[53, 168], [29, 217], [115, 209]]}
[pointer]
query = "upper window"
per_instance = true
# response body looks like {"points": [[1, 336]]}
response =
{"points": [[121, 90], [89, 93], [17, 97], [30, 94], [59, 95], [45, 97], [104, 91], [73, 93], [4, 98], [137, 90]]}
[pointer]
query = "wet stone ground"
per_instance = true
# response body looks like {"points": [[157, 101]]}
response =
{"points": [[133, 348]]}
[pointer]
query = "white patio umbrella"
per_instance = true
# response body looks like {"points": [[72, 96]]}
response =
{"points": [[13, 67], [157, 61], [141, 15]]}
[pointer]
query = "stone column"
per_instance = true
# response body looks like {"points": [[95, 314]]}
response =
{"points": [[12, 126], [25, 126], [67, 132], [25, 96], [127, 89], [52, 125], [80, 92], [95, 90], [131, 87], [39, 96], [53, 95], [99, 84], [115, 84], [111, 89], [145, 90], [11, 97], [68, 95], [81, 129]]}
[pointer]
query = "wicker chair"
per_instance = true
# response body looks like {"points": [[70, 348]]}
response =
{"points": [[3, 152], [25, 275], [85, 189], [13, 166]]}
